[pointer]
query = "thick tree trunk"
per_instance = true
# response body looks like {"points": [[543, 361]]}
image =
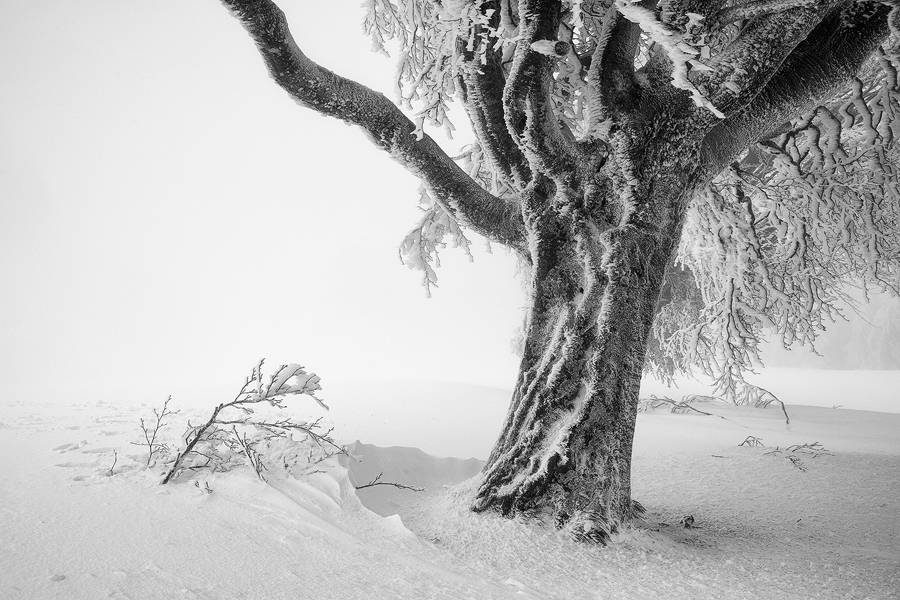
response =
{"points": [[565, 451]]}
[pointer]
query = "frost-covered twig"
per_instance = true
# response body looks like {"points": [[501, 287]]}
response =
{"points": [[795, 460], [250, 451], [681, 406], [761, 398], [150, 433], [814, 449], [207, 439], [775, 243], [419, 249]]}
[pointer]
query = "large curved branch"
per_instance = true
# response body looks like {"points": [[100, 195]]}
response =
{"points": [[740, 71], [387, 127], [748, 10], [824, 63], [611, 79], [747, 64], [482, 86], [526, 97]]}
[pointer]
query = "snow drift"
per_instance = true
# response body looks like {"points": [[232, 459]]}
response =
{"points": [[83, 517]]}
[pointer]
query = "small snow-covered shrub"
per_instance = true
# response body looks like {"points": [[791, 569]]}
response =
{"points": [[246, 430], [156, 447], [753, 442]]}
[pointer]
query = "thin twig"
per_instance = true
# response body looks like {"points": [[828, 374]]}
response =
{"points": [[251, 453], [684, 405], [753, 442], [153, 446], [377, 481]]}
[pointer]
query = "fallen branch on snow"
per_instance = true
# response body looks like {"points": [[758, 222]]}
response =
{"points": [[377, 481], [218, 446]]}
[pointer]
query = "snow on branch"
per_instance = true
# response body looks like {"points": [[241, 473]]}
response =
{"points": [[748, 10], [430, 57], [481, 87], [773, 242], [419, 249], [680, 46], [474, 160], [215, 444], [527, 97]]}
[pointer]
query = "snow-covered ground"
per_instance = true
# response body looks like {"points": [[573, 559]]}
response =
{"points": [[82, 517]]}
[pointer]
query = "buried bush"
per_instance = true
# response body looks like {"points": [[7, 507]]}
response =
{"points": [[239, 432]]}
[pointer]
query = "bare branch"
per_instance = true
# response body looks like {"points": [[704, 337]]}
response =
{"points": [[194, 436], [387, 127], [752, 442], [401, 486], [152, 432], [250, 451]]}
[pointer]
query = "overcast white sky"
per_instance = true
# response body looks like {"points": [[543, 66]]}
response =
{"points": [[170, 216]]}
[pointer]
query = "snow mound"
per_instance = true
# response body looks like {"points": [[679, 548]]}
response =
{"points": [[407, 466]]}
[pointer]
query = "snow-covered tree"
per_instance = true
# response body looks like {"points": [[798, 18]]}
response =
{"points": [[677, 176]]}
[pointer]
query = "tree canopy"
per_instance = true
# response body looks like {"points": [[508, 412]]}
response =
{"points": [[770, 244]]}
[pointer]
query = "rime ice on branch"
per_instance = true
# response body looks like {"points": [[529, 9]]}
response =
{"points": [[234, 429]]}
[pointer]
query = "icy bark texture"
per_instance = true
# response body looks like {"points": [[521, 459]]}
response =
{"points": [[602, 128]]}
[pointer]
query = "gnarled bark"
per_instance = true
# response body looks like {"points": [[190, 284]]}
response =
{"points": [[567, 440], [565, 451]]}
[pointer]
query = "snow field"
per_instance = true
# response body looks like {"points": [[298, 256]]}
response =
{"points": [[82, 517]]}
